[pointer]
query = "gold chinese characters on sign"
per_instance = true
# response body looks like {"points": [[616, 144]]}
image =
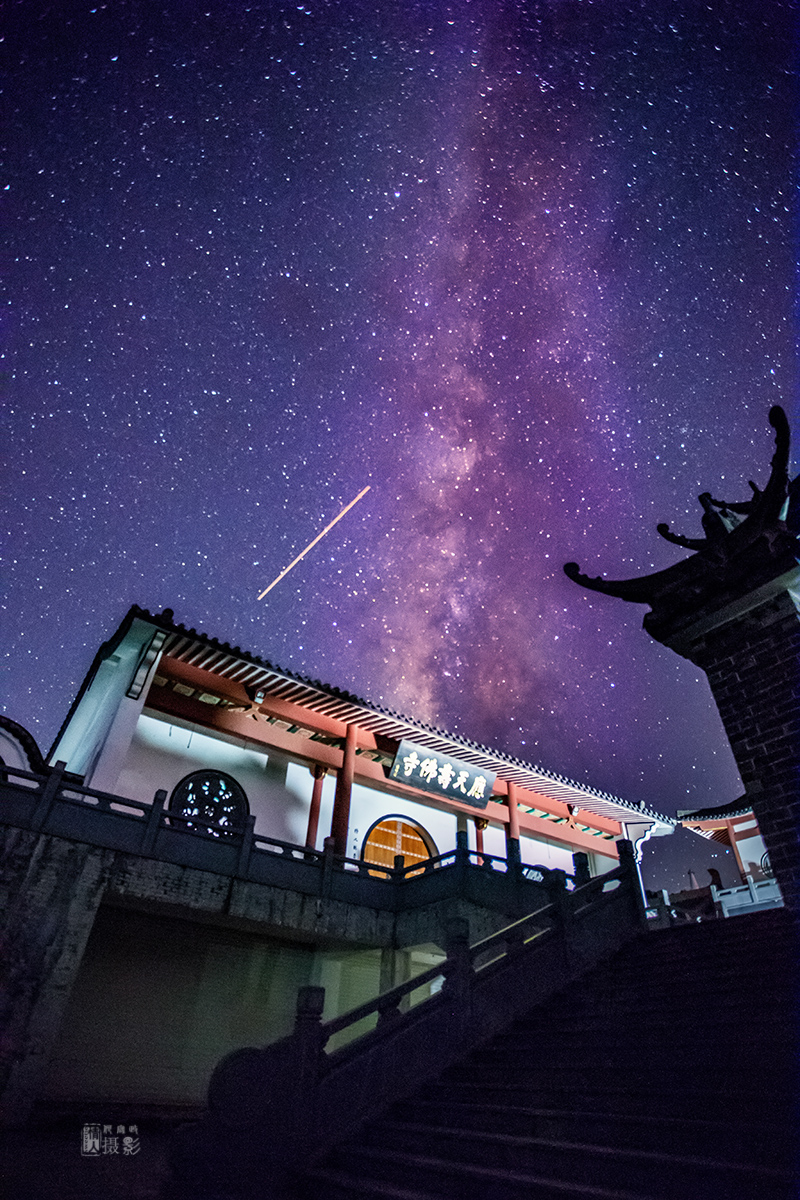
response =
{"points": [[434, 772]]}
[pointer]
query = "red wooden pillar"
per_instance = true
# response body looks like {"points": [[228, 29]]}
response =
{"points": [[512, 828], [316, 800], [340, 821], [480, 824], [731, 828]]}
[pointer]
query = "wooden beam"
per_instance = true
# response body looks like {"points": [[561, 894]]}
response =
{"points": [[218, 685], [252, 725]]}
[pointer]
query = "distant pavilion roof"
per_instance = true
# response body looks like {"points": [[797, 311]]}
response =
{"points": [[726, 812]]}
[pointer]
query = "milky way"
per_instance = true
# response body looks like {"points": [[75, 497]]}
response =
{"points": [[523, 268]]}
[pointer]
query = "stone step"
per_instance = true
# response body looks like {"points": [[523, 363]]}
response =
{"points": [[733, 1141], [328, 1183], [704, 1074], [668, 1176], [680, 993], [622, 1097], [667, 1074], [712, 941], [730, 1017], [677, 1056], [665, 1039], [468, 1174], [744, 926], [691, 1030]]}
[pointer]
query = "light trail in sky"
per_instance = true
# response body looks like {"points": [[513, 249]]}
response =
{"points": [[313, 543]]}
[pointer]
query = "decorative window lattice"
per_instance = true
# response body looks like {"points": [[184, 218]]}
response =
{"points": [[214, 801]]}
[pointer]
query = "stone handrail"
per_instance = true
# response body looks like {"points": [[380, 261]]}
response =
{"points": [[274, 1107], [509, 940], [59, 804], [751, 895]]}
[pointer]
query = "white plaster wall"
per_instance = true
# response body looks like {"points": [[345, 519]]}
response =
{"points": [[99, 731], [542, 854], [161, 754], [600, 864], [752, 850], [531, 850]]}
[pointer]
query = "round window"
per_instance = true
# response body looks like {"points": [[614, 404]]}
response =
{"points": [[214, 802]]}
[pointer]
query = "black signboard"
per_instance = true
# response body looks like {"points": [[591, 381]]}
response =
{"points": [[434, 772]]}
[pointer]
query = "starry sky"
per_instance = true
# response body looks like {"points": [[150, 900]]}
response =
{"points": [[524, 267]]}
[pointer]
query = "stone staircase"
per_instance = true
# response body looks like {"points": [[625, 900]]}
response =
{"points": [[667, 1073]]}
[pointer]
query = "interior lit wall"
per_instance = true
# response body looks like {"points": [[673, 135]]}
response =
{"points": [[158, 1001], [162, 753]]}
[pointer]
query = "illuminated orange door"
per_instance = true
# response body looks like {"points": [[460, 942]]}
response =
{"points": [[395, 836]]}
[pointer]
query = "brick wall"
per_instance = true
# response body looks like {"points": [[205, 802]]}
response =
{"points": [[753, 667]]}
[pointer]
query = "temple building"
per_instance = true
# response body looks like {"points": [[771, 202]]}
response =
{"points": [[219, 855], [305, 761], [209, 833]]}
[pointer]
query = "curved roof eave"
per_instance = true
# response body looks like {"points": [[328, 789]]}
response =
{"points": [[240, 666]]}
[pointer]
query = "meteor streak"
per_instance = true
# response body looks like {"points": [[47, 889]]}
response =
{"points": [[311, 545]]}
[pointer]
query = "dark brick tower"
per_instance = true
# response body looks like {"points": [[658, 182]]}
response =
{"points": [[732, 609]]}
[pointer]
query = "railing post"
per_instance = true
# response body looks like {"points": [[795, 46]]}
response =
{"points": [[562, 913], [462, 853], [246, 848], [580, 867], [513, 856], [49, 792], [328, 847], [307, 1054], [153, 821], [457, 970], [308, 1025], [515, 876], [461, 862]]}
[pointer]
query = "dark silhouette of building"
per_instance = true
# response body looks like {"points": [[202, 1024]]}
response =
{"points": [[732, 609]]}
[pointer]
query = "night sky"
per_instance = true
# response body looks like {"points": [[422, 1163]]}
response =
{"points": [[526, 269]]}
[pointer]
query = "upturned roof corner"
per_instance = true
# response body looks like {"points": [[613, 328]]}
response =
{"points": [[747, 545]]}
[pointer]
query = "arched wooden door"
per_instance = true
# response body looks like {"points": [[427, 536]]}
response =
{"points": [[395, 835]]}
